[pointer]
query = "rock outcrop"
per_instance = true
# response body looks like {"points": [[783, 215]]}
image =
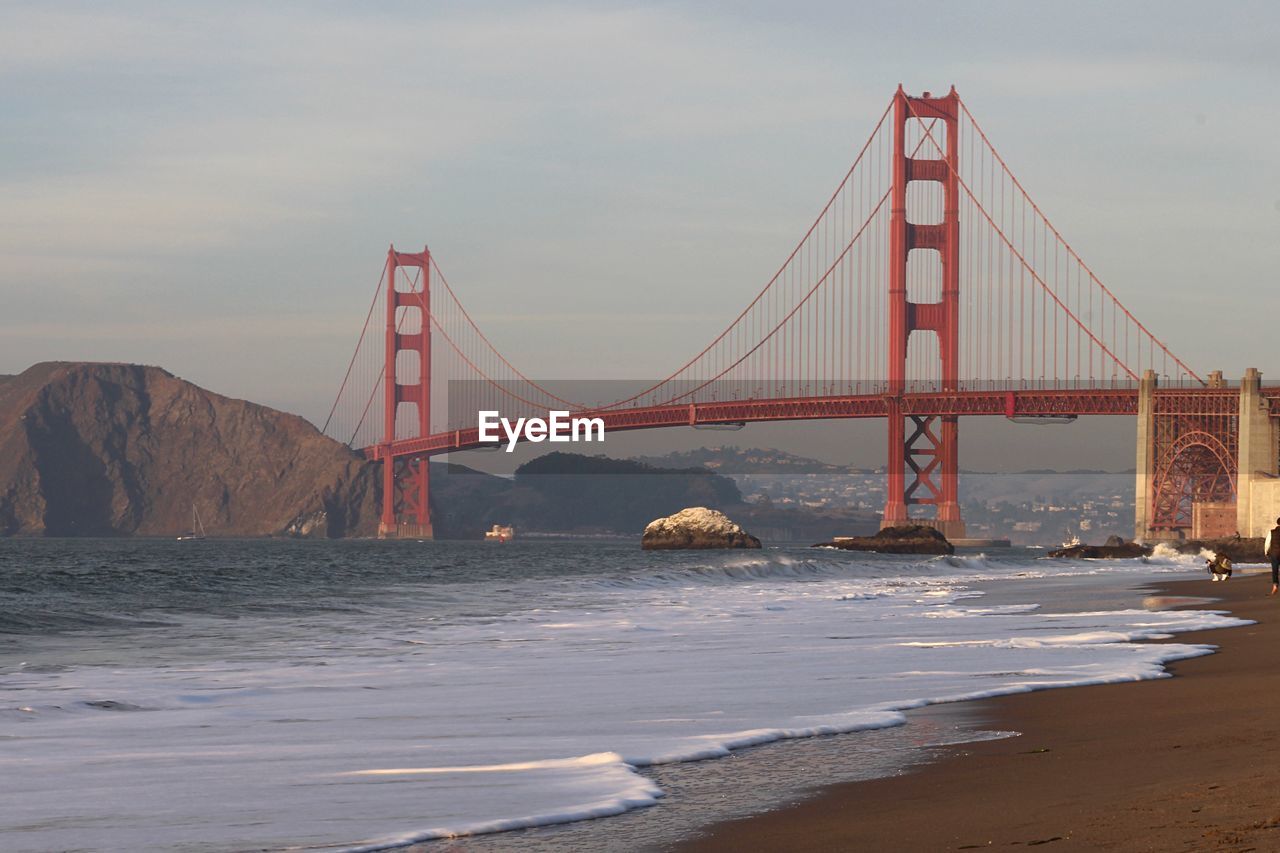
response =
{"points": [[1110, 551], [90, 449], [696, 527], [903, 539], [1236, 548]]}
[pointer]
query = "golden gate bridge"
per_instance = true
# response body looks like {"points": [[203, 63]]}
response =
{"points": [[928, 288]]}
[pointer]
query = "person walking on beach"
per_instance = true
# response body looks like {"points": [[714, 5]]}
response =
{"points": [[1272, 549]]}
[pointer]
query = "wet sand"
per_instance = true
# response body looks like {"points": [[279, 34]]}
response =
{"points": [[1184, 763]]}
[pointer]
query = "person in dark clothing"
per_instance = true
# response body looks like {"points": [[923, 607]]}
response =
{"points": [[1272, 547]]}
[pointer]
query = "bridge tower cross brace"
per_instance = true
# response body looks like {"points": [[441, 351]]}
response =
{"points": [[931, 450], [406, 484]]}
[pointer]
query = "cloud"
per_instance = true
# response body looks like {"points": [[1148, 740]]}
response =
{"points": [[268, 119], [207, 183], [161, 326], [1059, 76], [37, 38]]}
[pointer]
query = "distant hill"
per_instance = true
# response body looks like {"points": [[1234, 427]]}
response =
{"points": [[571, 492], [736, 460], [567, 493], [90, 449]]}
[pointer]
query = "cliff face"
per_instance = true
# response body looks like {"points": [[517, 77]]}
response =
{"points": [[117, 449]]}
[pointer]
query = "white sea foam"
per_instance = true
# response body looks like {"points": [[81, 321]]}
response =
{"points": [[1164, 554], [978, 562], [418, 726]]}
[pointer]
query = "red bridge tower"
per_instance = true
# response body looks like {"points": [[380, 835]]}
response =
{"points": [[931, 449], [406, 491]]}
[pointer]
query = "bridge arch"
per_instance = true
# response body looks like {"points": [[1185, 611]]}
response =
{"points": [[1196, 467]]}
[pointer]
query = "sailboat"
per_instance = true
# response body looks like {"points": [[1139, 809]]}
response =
{"points": [[197, 526]]}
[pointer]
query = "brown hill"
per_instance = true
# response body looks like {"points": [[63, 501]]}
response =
{"points": [[91, 449]]}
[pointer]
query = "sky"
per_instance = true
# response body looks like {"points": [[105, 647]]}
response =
{"points": [[211, 188]]}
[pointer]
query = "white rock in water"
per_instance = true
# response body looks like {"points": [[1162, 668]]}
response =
{"points": [[696, 527]]}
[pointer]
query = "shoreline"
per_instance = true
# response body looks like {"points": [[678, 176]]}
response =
{"points": [[1164, 764]]}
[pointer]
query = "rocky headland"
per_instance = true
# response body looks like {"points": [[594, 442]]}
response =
{"points": [[91, 449], [693, 528], [902, 539]]}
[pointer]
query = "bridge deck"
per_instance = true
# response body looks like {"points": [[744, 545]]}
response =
{"points": [[998, 403]]}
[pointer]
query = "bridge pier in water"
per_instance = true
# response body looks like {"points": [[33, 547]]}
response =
{"points": [[406, 490]]}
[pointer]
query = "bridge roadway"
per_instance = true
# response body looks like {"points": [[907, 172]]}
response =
{"points": [[1028, 403]]}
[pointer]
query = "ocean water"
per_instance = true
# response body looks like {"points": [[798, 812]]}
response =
{"points": [[245, 695]]}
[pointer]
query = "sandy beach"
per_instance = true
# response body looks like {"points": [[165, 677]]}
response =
{"points": [[1182, 763]]}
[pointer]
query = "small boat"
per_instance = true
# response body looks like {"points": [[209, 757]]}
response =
{"points": [[500, 533], [197, 527]]}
